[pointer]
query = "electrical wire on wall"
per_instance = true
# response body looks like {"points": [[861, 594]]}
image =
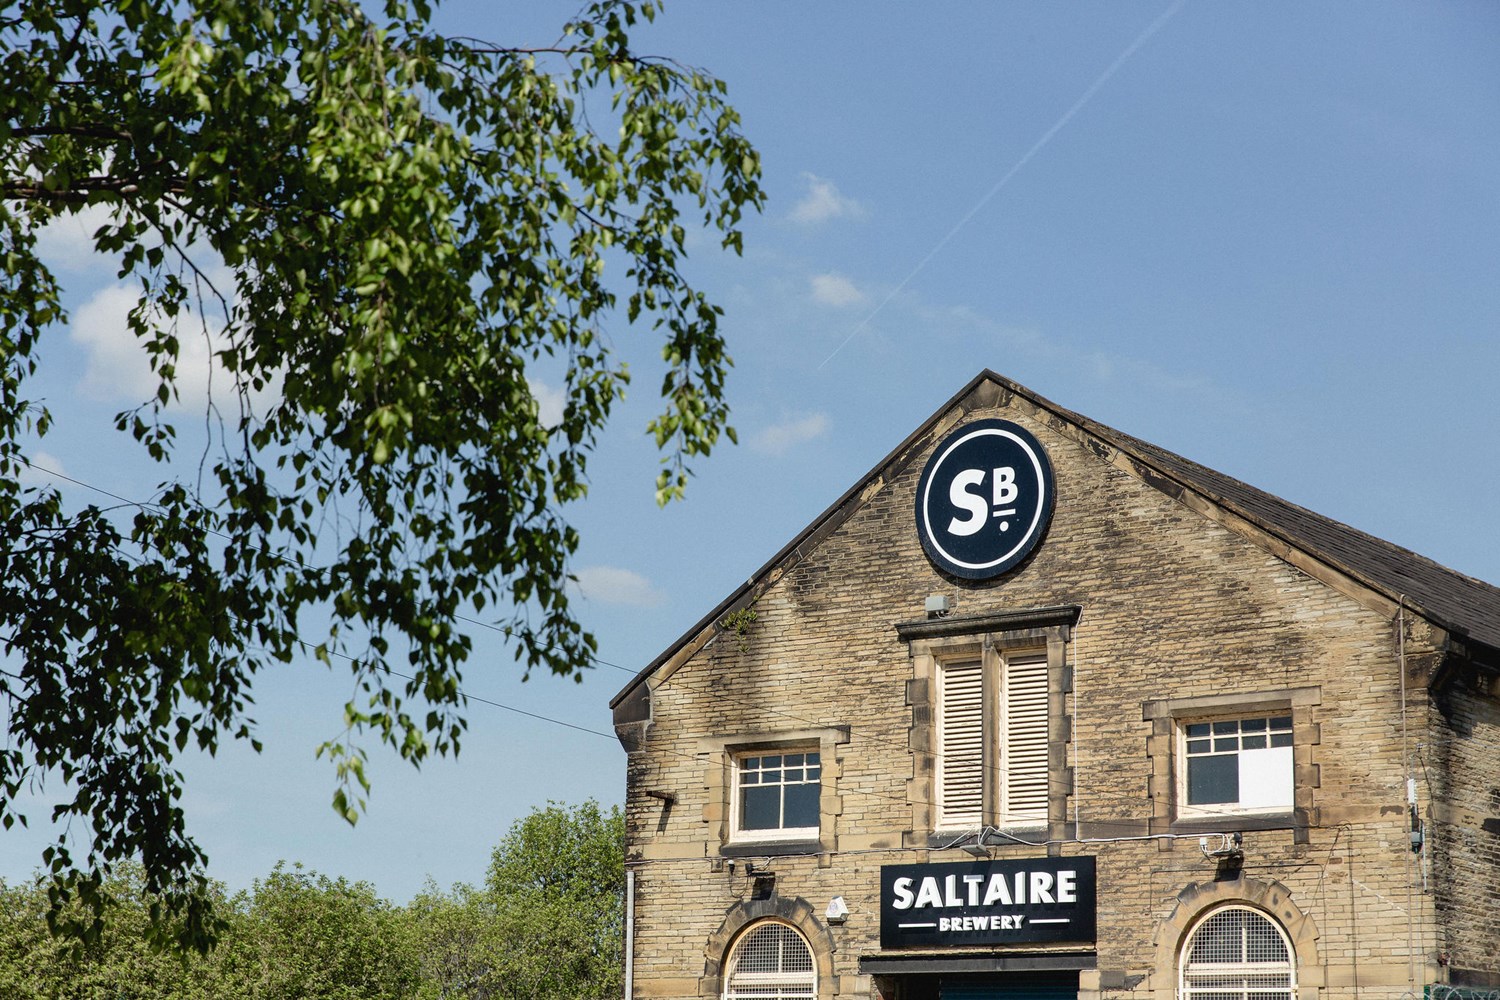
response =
{"points": [[1409, 785]]}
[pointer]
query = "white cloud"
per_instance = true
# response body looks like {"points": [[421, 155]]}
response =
{"points": [[780, 438], [823, 202], [67, 242], [36, 474], [117, 368], [613, 585], [835, 290], [550, 402]]}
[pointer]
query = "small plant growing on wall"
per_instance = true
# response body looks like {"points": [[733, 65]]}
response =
{"points": [[739, 623]]}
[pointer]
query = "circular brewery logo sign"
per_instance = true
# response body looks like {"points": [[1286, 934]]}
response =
{"points": [[984, 499]]}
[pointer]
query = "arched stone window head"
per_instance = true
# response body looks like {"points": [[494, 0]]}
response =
{"points": [[771, 961], [1237, 953]]}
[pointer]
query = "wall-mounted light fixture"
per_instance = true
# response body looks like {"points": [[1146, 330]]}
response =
{"points": [[1416, 835], [978, 847], [838, 910], [1230, 845]]}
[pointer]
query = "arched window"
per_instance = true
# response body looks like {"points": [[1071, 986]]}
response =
{"points": [[1238, 954], [771, 961]]}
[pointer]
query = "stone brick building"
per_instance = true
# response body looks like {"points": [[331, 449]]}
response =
{"points": [[1038, 709]]}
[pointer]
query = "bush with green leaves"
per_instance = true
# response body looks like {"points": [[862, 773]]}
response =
{"points": [[547, 923]]}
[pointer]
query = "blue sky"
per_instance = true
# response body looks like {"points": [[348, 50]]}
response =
{"points": [[1266, 236]]}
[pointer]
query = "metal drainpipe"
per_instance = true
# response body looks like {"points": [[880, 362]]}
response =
{"points": [[630, 934]]}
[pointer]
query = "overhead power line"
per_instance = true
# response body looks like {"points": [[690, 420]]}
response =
{"points": [[860, 733]]}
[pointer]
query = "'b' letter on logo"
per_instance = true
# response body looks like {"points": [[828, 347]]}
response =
{"points": [[1006, 489]]}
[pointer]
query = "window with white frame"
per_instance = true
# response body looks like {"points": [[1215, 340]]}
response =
{"points": [[992, 740], [1237, 953], [777, 794], [771, 962], [1240, 764]]}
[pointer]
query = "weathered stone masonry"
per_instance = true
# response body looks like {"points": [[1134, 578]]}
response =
{"points": [[1162, 596]]}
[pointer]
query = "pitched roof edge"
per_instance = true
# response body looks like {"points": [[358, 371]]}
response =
{"points": [[1140, 452], [831, 517]]}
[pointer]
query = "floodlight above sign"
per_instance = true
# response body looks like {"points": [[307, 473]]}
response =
{"points": [[985, 499]]}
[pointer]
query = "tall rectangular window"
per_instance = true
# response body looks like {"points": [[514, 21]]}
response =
{"points": [[961, 758], [992, 753], [1023, 787]]}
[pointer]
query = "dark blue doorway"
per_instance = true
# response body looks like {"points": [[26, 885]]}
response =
{"points": [[1015, 986]]}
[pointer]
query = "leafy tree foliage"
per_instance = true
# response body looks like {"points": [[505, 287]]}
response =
{"points": [[411, 222], [118, 963], [295, 934], [299, 934], [546, 925], [557, 883]]}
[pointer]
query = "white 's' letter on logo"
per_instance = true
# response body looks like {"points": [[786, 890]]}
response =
{"points": [[959, 496]]}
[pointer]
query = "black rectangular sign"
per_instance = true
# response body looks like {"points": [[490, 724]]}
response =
{"points": [[987, 902]]}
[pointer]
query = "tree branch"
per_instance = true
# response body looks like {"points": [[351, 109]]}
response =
{"points": [[83, 189], [480, 47], [86, 131]]}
